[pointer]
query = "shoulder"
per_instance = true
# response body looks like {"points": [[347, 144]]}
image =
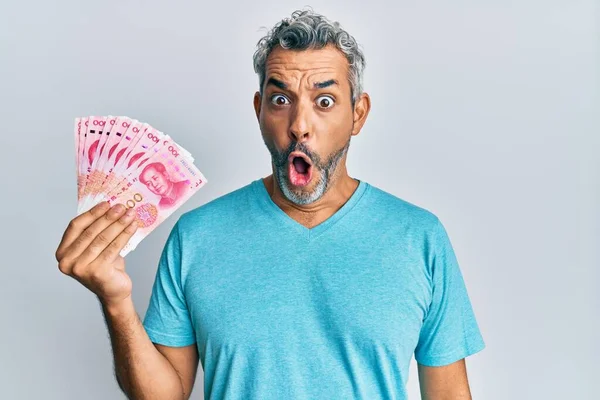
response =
{"points": [[414, 226], [397, 211], [218, 211]]}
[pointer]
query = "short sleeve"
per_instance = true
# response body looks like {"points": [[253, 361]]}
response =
{"points": [[167, 320], [450, 331]]}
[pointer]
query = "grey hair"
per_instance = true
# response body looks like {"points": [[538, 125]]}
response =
{"points": [[307, 29]]}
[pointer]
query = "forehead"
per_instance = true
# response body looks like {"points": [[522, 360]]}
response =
{"points": [[309, 64], [150, 170]]}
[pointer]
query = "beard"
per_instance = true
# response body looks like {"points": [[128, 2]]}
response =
{"points": [[325, 167]]}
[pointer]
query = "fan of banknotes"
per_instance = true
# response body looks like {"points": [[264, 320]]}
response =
{"points": [[125, 161]]}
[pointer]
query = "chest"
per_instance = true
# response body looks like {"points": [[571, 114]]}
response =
{"points": [[324, 292]]}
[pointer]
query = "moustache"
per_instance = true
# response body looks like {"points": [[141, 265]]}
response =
{"points": [[281, 158]]}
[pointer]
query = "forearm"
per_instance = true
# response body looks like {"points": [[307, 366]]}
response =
{"points": [[142, 372]]}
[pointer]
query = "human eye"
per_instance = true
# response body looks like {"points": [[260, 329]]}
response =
{"points": [[325, 101], [279, 100]]}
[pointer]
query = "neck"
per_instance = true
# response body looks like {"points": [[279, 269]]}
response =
{"points": [[340, 190]]}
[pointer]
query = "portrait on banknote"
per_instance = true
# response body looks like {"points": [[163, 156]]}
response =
{"points": [[157, 180]]}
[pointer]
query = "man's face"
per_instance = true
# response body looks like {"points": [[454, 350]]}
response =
{"points": [[306, 111], [156, 182]]}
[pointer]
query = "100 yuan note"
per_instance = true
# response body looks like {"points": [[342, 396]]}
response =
{"points": [[130, 131], [108, 158], [164, 147], [77, 132], [81, 175], [156, 189], [95, 177], [92, 148], [152, 141]]}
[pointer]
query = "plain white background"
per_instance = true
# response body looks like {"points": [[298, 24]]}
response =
{"points": [[485, 113]]}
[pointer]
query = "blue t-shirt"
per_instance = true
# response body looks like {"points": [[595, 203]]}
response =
{"points": [[281, 311]]}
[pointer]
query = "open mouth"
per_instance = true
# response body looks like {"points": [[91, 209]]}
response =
{"points": [[300, 169]]}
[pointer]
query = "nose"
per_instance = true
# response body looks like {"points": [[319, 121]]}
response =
{"points": [[300, 122]]}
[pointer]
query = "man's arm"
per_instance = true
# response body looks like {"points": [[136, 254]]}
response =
{"points": [[448, 382], [185, 361], [89, 252], [145, 370]]}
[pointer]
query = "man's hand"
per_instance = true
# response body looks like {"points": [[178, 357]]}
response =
{"points": [[90, 247]]}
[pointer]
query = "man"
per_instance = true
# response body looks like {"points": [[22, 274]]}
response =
{"points": [[308, 284], [157, 180]]}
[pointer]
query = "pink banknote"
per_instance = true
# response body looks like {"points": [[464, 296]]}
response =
{"points": [[97, 155], [81, 168], [122, 160], [129, 133], [77, 132], [151, 142], [109, 158], [91, 149], [156, 188], [131, 150]]}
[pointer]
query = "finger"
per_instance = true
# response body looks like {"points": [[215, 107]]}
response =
{"points": [[78, 224], [106, 237], [81, 243], [111, 252]]}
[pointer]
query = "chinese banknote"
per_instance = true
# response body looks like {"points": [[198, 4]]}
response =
{"points": [[125, 161]]}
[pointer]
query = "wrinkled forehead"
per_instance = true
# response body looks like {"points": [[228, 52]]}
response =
{"points": [[307, 67]]}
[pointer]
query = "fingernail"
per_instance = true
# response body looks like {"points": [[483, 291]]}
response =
{"points": [[130, 212], [118, 208]]}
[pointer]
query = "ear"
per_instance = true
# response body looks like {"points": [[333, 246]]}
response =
{"points": [[257, 102], [361, 111]]}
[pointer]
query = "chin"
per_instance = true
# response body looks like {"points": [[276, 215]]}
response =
{"points": [[302, 195]]}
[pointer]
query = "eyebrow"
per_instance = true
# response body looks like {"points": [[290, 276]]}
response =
{"points": [[317, 85]]}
